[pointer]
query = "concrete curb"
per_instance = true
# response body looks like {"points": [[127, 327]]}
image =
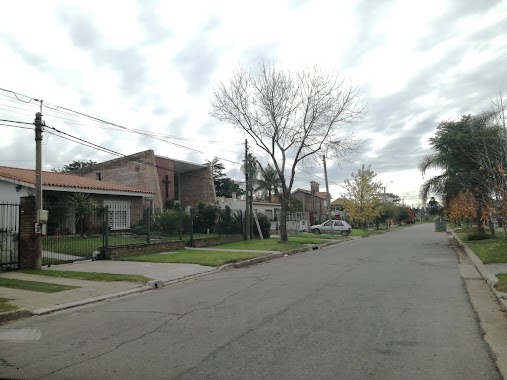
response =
{"points": [[490, 278], [8, 316]]}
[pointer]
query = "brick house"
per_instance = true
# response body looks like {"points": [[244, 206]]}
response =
{"points": [[170, 180], [314, 202], [125, 203]]}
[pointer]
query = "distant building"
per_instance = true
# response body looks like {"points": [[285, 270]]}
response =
{"points": [[314, 202]]}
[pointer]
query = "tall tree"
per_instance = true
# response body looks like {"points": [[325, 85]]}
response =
{"points": [[290, 116], [75, 166], [224, 186], [362, 200], [458, 149]]}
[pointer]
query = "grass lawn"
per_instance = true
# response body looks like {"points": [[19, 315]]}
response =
{"points": [[85, 246], [34, 286], [501, 285], [6, 306], [312, 239], [490, 251], [309, 235], [271, 244], [208, 258], [359, 232], [89, 276]]}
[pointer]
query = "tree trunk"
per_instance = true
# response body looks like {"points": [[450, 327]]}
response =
{"points": [[480, 226], [491, 227], [283, 221]]}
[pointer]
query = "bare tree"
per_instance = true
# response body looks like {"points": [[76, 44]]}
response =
{"points": [[290, 116]]}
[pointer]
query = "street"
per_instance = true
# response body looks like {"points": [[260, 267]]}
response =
{"points": [[392, 306]]}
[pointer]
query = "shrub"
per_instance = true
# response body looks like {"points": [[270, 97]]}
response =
{"points": [[167, 222], [476, 236], [231, 222], [204, 217], [139, 230], [265, 225]]}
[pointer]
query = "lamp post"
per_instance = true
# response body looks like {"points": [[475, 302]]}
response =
{"points": [[385, 202]]}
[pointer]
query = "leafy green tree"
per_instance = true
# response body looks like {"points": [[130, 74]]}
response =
{"points": [[362, 202], [224, 186], [434, 207], [458, 147], [75, 166], [295, 205]]}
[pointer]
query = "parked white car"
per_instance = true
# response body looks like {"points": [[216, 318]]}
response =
{"points": [[339, 226]]}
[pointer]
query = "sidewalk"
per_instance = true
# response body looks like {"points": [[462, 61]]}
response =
{"points": [[37, 303], [487, 271]]}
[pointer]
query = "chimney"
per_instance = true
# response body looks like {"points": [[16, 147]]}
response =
{"points": [[314, 187]]}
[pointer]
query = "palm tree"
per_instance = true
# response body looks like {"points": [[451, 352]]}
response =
{"points": [[82, 205], [268, 183]]}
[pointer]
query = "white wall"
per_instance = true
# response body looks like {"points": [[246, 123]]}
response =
{"points": [[8, 193]]}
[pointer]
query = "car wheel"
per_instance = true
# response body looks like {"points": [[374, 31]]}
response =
{"points": [[345, 233], [316, 231]]}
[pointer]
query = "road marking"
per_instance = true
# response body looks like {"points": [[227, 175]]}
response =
{"points": [[19, 335]]}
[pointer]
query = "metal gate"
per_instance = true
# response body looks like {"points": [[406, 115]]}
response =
{"points": [[9, 236]]}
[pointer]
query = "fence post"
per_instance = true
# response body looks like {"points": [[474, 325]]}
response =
{"points": [[148, 225], [219, 221], [181, 222], [191, 228], [105, 236]]}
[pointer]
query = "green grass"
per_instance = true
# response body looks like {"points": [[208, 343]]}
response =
{"points": [[501, 285], [34, 286], [84, 246], [208, 258], [89, 276], [359, 232], [490, 251], [312, 239], [271, 244], [309, 235], [6, 306]]}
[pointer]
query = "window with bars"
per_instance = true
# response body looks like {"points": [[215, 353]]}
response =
{"points": [[119, 214]]}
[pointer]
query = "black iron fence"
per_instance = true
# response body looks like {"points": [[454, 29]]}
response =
{"points": [[9, 236], [85, 233]]}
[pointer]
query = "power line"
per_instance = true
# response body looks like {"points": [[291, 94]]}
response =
{"points": [[65, 110], [16, 126], [14, 121]]}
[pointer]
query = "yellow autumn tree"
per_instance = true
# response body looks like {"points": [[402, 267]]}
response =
{"points": [[462, 207], [362, 200]]}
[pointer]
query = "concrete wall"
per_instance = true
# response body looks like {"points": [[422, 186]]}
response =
{"points": [[8, 193]]}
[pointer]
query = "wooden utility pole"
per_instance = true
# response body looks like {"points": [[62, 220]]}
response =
{"points": [[328, 197]]}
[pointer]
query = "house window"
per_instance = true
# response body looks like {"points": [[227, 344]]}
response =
{"points": [[98, 176], [119, 214]]}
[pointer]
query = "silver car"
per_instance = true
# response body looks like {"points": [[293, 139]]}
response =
{"points": [[338, 226]]}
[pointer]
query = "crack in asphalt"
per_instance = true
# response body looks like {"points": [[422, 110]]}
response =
{"points": [[165, 323]]}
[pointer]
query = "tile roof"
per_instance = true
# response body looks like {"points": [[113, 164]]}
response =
{"points": [[64, 180]]}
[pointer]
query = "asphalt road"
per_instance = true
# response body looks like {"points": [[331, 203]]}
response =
{"points": [[387, 307]]}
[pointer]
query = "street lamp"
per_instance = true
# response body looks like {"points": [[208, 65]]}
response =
{"points": [[385, 201]]}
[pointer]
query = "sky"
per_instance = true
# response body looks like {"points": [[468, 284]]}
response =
{"points": [[151, 66]]}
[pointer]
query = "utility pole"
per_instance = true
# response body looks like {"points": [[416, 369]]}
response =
{"points": [[38, 185], [247, 203], [328, 197]]}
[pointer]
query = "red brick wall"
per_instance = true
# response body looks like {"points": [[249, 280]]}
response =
{"points": [[129, 171], [216, 240], [140, 249], [27, 248], [165, 167], [197, 186]]}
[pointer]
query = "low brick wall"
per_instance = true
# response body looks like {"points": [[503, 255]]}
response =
{"points": [[140, 249], [216, 240]]}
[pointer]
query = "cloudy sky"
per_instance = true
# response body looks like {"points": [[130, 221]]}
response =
{"points": [[151, 65]]}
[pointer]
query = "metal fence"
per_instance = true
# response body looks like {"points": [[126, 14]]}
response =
{"points": [[74, 234], [9, 236]]}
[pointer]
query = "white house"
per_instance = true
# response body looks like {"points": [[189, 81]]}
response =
{"points": [[271, 210]]}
